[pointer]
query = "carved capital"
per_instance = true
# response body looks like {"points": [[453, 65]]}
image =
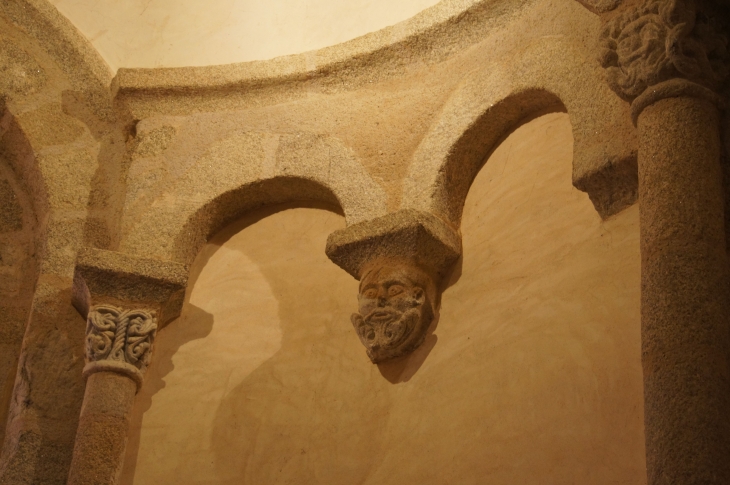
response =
{"points": [[125, 299], [119, 340], [660, 40], [400, 260]]}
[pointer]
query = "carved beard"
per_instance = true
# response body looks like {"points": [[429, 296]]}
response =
{"points": [[384, 331]]}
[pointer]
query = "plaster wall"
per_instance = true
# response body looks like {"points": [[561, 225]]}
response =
{"points": [[177, 33], [531, 375]]}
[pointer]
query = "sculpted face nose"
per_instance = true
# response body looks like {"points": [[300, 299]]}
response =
{"points": [[382, 294]]}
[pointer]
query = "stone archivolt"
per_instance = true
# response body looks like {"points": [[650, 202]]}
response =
{"points": [[661, 40], [120, 335]]}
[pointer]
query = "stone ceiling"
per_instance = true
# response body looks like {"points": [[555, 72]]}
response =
{"points": [[177, 33]]}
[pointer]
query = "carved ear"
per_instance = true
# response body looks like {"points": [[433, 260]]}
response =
{"points": [[418, 294], [356, 320]]}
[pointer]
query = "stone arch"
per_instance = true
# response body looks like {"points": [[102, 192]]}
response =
{"points": [[18, 265], [232, 205], [54, 116], [246, 171], [461, 159], [494, 100]]}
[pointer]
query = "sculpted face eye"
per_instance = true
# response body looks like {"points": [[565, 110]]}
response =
{"points": [[370, 293], [395, 290]]}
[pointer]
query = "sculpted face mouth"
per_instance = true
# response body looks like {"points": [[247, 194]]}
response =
{"points": [[381, 316]]}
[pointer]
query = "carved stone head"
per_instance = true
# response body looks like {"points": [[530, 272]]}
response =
{"points": [[396, 309]]}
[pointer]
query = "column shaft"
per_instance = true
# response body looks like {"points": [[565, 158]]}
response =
{"points": [[101, 438], [684, 294]]}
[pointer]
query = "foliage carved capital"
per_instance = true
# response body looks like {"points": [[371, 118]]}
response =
{"points": [[119, 340], [661, 40]]}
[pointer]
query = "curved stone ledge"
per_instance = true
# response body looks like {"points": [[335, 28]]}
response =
{"points": [[430, 36]]}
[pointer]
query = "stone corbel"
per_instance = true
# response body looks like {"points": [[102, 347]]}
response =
{"points": [[400, 260], [125, 301]]}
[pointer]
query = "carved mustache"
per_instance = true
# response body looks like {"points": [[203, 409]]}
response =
{"points": [[380, 315]]}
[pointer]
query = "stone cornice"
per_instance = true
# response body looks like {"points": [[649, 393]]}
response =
{"points": [[431, 36]]}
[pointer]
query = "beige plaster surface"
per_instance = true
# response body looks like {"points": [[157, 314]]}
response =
{"points": [[176, 33], [532, 374]]}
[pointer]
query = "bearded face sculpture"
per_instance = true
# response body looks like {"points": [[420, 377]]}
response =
{"points": [[395, 304]]}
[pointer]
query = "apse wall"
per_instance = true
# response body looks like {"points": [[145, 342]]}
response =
{"points": [[532, 373], [178, 33]]}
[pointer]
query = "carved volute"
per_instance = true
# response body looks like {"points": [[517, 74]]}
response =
{"points": [[660, 40], [124, 300], [120, 339]]}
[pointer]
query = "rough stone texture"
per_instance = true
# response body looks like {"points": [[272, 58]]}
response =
{"points": [[11, 218], [48, 390], [685, 334], [80, 64], [110, 277], [119, 342], [103, 424], [19, 72], [18, 273], [50, 150], [153, 164], [406, 235], [658, 40], [396, 306], [202, 192], [432, 83]]}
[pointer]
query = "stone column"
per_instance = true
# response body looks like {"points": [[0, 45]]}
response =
{"points": [[124, 300], [668, 57], [400, 260]]}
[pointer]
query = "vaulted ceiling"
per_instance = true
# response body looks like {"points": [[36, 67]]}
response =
{"points": [[175, 33]]}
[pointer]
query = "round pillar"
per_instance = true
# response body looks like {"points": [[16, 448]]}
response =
{"points": [[101, 438]]}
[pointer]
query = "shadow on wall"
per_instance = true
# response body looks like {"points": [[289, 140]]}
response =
{"points": [[297, 414], [193, 324], [298, 417], [536, 376]]}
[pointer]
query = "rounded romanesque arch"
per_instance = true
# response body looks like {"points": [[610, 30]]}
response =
{"points": [[18, 266], [246, 171], [492, 101], [55, 125]]}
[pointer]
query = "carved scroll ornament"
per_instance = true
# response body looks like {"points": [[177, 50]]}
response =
{"points": [[664, 39], [119, 339], [395, 309]]}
